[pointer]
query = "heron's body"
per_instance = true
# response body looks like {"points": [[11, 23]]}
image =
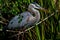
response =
{"points": [[24, 21], [26, 18]]}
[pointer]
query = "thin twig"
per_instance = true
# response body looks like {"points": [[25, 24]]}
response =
{"points": [[3, 23], [33, 26], [18, 37], [4, 19], [9, 30], [16, 34]]}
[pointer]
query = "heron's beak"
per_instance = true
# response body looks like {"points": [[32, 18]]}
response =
{"points": [[43, 9]]}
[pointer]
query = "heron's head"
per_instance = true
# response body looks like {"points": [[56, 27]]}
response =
{"points": [[36, 6]]}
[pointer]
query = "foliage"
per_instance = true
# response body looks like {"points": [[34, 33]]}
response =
{"points": [[48, 30]]}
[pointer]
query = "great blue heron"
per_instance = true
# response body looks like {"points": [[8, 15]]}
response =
{"points": [[26, 19]]}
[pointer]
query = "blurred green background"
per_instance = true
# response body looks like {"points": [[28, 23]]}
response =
{"points": [[48, 30]]}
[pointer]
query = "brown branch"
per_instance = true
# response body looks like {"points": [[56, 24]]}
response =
{"points": [[3, 22], [9, 30], [4, 19], [16, 34]]}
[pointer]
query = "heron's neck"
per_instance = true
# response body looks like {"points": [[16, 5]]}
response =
{"points": [[36, 12]]}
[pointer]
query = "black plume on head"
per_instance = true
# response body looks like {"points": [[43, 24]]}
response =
{"points": [[34, 3]]}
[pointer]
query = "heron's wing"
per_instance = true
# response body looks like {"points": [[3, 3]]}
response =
{"points": [[19, 20], [15, 22], [28, 21], [25, 19]]}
